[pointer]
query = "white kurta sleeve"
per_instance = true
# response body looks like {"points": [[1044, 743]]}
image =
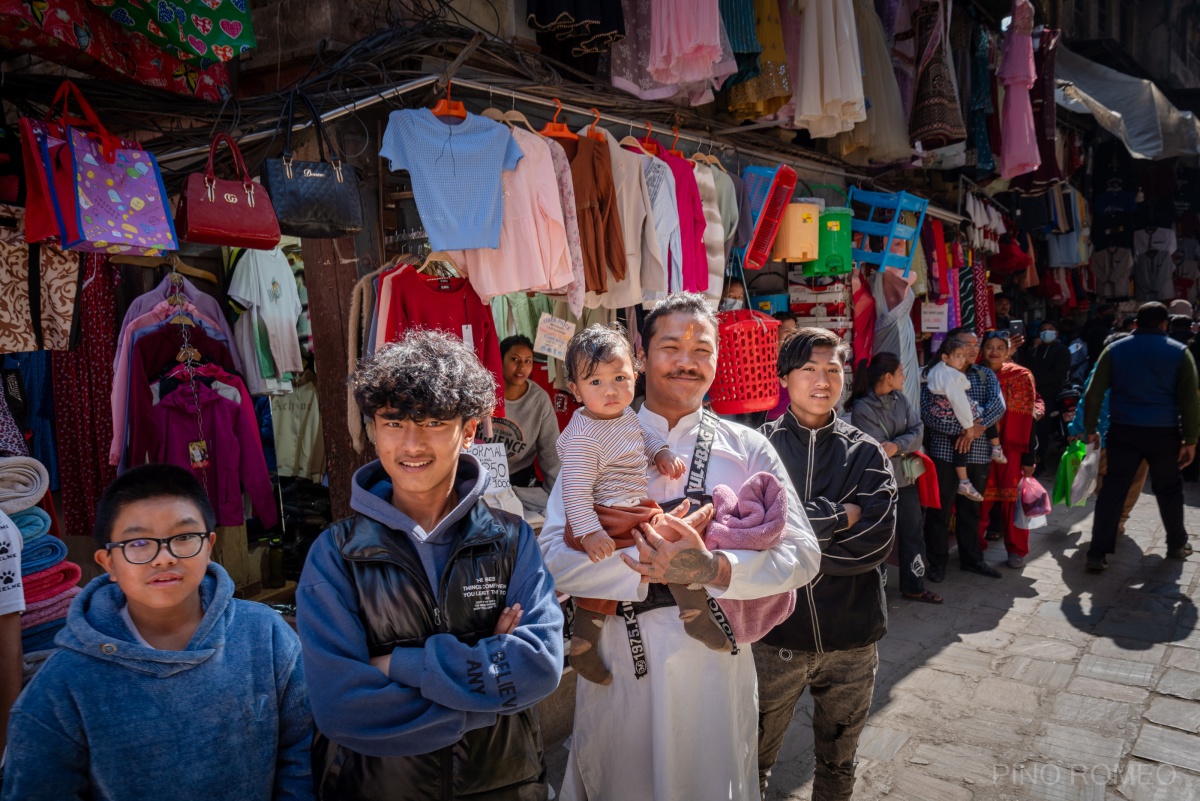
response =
{"points": [[789, 565], [609, 579]]}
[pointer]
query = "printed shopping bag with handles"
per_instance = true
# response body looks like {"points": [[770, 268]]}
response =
{"points": [[37, 138], [108, 193]]}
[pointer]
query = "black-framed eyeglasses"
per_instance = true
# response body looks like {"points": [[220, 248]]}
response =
{"points": [[145, 549]]}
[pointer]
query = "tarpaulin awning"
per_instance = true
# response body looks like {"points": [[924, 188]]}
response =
{"points": [[1132, 109]]}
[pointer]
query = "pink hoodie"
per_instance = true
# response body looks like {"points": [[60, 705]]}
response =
{"points": [[752, 520], [235, 460]]}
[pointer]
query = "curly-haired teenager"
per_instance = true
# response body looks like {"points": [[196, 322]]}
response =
{"points": [[429, 624]]}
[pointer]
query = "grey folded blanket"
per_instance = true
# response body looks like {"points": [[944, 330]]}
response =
{"points": [[23, 482]]}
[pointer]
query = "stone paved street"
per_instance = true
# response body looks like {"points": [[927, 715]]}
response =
{"points": [[1050, 683]]}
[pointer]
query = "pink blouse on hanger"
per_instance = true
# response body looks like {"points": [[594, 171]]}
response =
{"points": [[691, 222], [533, 254], [1019, 152]]}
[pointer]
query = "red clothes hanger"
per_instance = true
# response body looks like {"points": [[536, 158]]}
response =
{"points": [[556, 129], [650, 144], [592, 132], [449, 108], [673, 151]]}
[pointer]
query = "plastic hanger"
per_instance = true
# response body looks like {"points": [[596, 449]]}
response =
{"points": [[593, 133], [556, 129], [649, 144], [449, 108], [673, 151]]}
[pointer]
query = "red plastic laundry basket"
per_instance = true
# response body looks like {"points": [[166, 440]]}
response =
{"points": [[747, 379]]}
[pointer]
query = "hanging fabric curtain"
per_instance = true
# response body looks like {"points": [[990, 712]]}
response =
{"points": [[218, 30], [1132, 109], [75, 35]]}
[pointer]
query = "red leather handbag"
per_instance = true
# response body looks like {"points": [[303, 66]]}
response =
{"points": [[220, 211]]}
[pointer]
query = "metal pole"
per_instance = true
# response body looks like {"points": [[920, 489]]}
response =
{"points": [[334, 114]]}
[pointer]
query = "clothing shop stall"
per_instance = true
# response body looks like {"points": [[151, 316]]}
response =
{"points": [[148, 325]]}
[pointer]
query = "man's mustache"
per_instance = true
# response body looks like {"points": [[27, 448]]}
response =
{"points": [[684, 374]]}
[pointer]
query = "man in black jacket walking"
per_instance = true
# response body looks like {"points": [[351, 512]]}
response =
{"points": [[1050, 362], [828, 644]]}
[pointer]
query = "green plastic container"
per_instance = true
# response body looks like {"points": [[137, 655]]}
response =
{"points": [[833, 243]]}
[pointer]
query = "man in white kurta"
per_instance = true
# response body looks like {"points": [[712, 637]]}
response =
{"points": [[688, 730]]}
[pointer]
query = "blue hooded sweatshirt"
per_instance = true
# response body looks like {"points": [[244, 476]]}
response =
{"points": [[108, 719], [426, 701]]}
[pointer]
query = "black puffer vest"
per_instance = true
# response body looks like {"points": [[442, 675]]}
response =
{"points": [[502, 762]]}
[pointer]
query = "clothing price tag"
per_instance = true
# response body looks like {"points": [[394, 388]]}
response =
{"points": [[935, 317], [469, 334], [553, 335], [493, 456]]}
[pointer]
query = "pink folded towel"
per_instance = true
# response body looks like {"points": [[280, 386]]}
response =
{"points": [[50, 609], [51, 582], [753, 519]]}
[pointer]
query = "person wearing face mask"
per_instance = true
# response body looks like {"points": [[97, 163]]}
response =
{"points": [[1050, 362], [734, 298]]}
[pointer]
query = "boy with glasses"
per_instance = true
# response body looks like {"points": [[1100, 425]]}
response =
{"points": [[165, 686]]}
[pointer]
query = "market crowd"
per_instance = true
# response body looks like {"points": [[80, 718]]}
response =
{"points": [[716, 571]]}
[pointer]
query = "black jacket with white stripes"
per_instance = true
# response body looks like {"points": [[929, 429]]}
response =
{"points": [[844, 606]]}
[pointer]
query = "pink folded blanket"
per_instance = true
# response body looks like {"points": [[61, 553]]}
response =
{"points": [[50, 582], [753, 519], [50, 609]]}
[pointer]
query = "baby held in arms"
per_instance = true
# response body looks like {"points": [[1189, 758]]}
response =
{"points": [[604, 452]]}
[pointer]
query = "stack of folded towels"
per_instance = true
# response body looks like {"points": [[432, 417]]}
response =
{"points": [[49, 580]]}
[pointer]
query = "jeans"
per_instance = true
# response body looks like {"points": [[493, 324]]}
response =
{"points": [[841, 683], [910, 540], [966, 528], [1127, 447]]}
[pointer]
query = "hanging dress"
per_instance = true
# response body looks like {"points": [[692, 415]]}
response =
{"points": [[981, 102], [936, 120], [685, 40], [882, 138], [1045, 120], [829, 91], [738, 18], [765, 93], [630, 63], [1019, 153]]}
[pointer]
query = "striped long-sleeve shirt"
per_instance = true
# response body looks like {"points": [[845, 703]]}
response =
{"points": [[603, 462]]}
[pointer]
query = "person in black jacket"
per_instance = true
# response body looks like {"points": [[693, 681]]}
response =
{"points": [[828, 644], [428, 622], [1050, 362]]}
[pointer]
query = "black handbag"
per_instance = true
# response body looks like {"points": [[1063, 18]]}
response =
{"points": [[313, 199]]}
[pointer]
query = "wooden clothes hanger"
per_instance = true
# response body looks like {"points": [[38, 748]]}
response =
{"points": [[714, 161], [491, 112], [555, 129], [435, 265], [449, 108], [173, 261], [633, 143]]}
